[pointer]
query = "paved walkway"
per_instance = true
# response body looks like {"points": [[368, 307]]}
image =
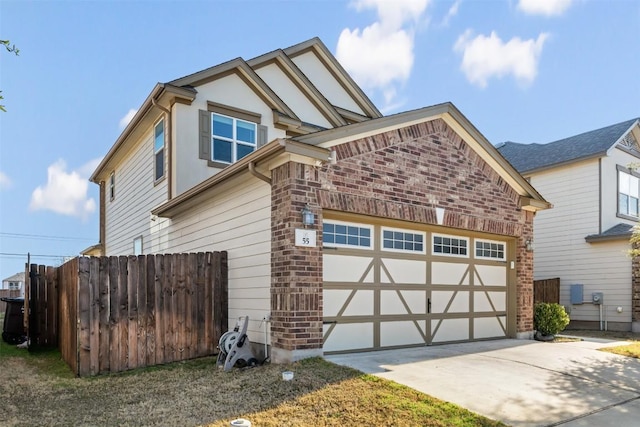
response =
{"points": [[519, 382]]}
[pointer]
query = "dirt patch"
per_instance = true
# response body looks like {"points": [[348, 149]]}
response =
{"points": [[607, 335]]}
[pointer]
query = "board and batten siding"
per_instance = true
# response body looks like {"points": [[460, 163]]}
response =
{"points": [[236, 218], [229, 90], [128, 214], [561, 249]]}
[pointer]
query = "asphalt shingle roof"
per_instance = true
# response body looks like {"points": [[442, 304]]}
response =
{"points": [[617, 231], [528, 157]]}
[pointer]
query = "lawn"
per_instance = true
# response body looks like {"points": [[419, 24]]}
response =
{"points": [[40, 389], [630, 350]]}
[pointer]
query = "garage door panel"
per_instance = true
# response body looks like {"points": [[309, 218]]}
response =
{"points": [[348, 336], [360, 305], [489, 327], [450, 302], [403, 271], [490, 275], [445, 273], [393, 302], [402, 333], [489, 301], [346, 268], [450, 330]]}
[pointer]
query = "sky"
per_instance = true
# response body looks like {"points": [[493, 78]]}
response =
{"points": [[519, 70]]}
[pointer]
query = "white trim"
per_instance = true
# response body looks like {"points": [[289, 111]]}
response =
{"points": [[349, 224], [449, 236], [234, 139], [406, 231]]}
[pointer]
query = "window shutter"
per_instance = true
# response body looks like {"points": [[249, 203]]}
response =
{"points": [[205, 135], [262, 135]]}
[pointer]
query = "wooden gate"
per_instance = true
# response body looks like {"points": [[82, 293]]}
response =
{"points": [[547, 290]]}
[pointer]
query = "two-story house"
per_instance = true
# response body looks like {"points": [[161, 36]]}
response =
{"points": [[14, 283], [414, 230], [584, 240]]}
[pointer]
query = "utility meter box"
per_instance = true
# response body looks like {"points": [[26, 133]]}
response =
{"points": [[597, 298], [576, 293]]}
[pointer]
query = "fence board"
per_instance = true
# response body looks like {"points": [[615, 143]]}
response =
{"points": [[159, 307], [547, 290], [150, 331], [94, 316], [84, 314], [103, 289], [169, 301]]}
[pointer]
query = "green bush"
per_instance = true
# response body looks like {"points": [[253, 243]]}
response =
{"points": [[549, 318]]}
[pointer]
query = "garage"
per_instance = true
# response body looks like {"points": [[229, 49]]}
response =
{"points": [[394, 284]]}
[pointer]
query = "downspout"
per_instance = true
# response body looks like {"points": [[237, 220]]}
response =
{"points": [[169, 147], [254, 172]]}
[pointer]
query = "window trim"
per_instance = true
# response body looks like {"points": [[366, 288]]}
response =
{"points": [[450, 236], [233, 140], [349, 224], [112, 186], [155, 152], [406, 231], [618, 213], [504, 249]]}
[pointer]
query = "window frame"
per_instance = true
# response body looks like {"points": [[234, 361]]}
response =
{"points": [[112, 186], [404, 231], [234, 138], [632, 174], [157, 151], [489, 258], [347, 245], [449, 236]]}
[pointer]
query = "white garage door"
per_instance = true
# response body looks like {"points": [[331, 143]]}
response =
{"points": [[389, 287]]}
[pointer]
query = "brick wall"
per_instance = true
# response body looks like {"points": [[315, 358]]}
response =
{"points": [[635, 291], [403, 174]]}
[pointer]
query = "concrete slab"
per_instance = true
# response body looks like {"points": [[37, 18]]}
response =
{"points": [[522, 383]]}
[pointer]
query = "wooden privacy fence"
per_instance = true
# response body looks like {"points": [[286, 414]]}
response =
{"points": [[547, 290], [41, 296], [120, 313], [7, 293]]}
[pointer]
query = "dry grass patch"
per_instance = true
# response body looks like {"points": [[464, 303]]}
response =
{"points": [[631, 350], [40, 388]]}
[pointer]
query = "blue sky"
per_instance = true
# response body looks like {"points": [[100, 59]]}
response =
{"points": [[520, 70]]}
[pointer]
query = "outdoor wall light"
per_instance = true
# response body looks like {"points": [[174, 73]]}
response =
{"points": [[307, 216], [529, 245]]}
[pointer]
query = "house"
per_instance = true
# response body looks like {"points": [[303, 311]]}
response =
{"points": [[415, 225], [584, 239], [14, 283]]}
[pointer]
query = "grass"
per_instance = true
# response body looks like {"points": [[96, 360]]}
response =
{"points": [[630, 350], [39, 386]]}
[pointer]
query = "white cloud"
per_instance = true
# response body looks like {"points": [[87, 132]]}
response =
{"points": [[127, 118], [484, 57], [453, 11], [544, 7], [380, 56], [65, 192], [5, 181]]}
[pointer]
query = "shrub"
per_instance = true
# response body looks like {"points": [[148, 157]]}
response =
{"points": [[549, 318]]}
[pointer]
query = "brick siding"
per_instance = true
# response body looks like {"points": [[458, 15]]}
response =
{"points": [[635, 292], [402, 174]]}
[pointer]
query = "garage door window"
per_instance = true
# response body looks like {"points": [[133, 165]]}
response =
{"points": [[402, 241], [349, 235], [489, 249], [450, 245]]}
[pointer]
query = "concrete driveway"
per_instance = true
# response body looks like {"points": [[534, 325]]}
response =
{"points": [[519, 382]]}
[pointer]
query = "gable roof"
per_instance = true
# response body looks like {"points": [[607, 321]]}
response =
{"points": [[531, 199], [593, 144], [18, 277]]}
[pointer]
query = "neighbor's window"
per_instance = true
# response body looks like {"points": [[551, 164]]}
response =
{"points": [[232, 138], [112, 186], [344, 234], [628, 194], [490, 249], [158, 149], [14, 286], [450, 245], [137, 246]]}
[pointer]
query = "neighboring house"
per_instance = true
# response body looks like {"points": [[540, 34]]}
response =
{"points": [[418, 226], [14, 283], [584, 239]]}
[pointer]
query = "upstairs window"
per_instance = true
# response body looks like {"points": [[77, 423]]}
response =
{"points": [[158, 149], [14, 286], [112, 186], [232, 138], [628, 194]]}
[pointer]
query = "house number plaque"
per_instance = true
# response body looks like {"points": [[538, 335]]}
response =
{"points": [[305, 237]]}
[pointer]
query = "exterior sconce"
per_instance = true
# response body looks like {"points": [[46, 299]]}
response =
{"points": [[529, 245], [307, 216]]}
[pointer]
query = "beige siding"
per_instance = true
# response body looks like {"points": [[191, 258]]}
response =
{"points": [[236, 219], [128, 215], [325, 82], [561, 249], [292, 95]]}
